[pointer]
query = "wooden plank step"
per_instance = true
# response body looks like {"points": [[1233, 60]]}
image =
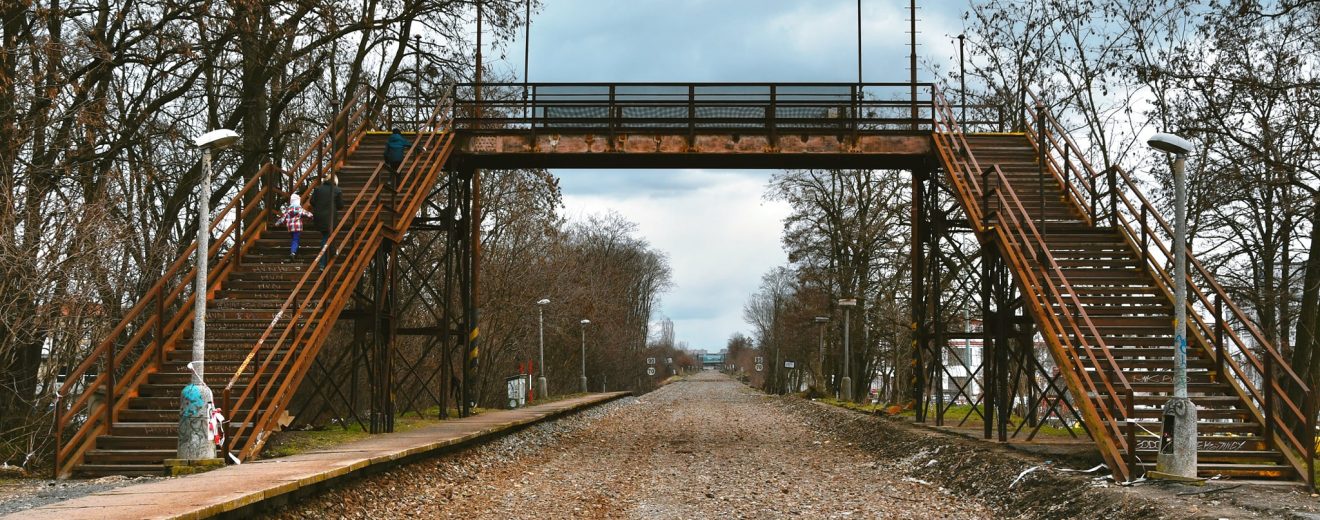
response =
{"points": [[152, 389], [137, 442], [1193, 388], [1095, 311], [1247, 443], [1110, 290], [1201, 401], [1240, 427], [131, 470], [276, 276], [1201, 414], [1142, 322], [1255, 471], [147, 415], [1227, 457], [131, 456]]}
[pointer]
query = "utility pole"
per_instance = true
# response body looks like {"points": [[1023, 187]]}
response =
{"points": [[859, 47], [474, 332], [527, 51], [913, 63]]}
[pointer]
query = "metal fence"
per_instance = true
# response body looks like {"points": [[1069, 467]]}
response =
{"points": [[802, 108]]}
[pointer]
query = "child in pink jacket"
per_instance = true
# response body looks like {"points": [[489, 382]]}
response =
{"points": [[292, 219]]}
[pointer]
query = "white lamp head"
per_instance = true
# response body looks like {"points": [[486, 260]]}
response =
{"points": [[586, 322], [543, 301], [216, 139], [1170, 143]]}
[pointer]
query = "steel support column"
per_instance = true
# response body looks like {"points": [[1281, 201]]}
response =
{"points": [[920, 224]]}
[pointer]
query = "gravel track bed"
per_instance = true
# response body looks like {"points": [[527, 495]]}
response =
{"points": [[705, 447], [1015, 484]]}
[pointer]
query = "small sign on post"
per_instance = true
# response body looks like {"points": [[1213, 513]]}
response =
{"points": [[760, 367], [650, 361], [650, 371], [788, 364]]}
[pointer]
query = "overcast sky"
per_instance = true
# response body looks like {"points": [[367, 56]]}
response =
{"points": [[718, 231]]}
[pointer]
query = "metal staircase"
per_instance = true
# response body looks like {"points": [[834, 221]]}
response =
{"points": [[1087, 252], [268, 315]]}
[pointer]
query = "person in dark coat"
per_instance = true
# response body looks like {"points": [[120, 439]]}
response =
{"points": [[395, 147], [327, 201]]}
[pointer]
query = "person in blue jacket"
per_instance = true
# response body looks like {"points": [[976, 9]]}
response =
{"points": [[395, 147]]}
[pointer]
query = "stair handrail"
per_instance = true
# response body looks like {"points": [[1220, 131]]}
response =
{"points": [[947, 130], [1132, 219], [158, 300], [364, 214]]}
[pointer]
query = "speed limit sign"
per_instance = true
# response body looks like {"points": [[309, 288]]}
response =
{"points": [[759, 367]]}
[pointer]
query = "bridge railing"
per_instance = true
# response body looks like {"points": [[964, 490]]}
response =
{"points": [[797, 108]]}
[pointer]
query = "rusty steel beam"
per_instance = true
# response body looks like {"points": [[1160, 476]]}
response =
{"points": [[521, 142], [517, 149]]}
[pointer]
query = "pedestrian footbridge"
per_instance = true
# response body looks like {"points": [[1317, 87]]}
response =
{"points": [[1072, 253]]}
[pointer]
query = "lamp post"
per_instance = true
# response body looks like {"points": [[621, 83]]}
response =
{"points": [[194, 401], [820, 365], [1177, 456], [846, 382], [540, 328], [584, 322]]}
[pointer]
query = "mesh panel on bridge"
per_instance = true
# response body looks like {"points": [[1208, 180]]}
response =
{"points": [[670, 116]]}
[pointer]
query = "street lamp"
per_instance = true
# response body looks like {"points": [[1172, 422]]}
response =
{"points": [[1179, 411], [194, 442], [584, 322], [540, 327], [846, 382], [820, 366]]}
